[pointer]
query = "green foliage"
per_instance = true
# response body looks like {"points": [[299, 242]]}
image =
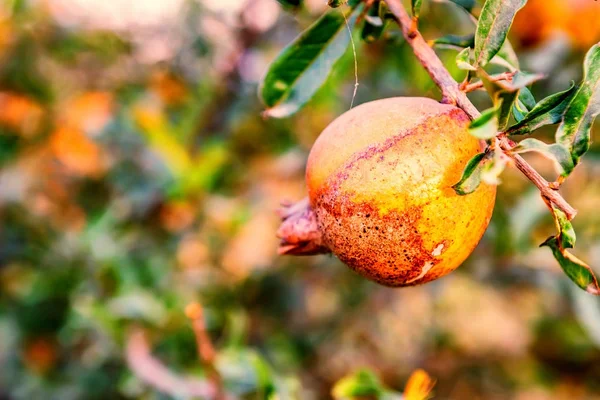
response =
{"points": [[486, 125], [362, 384], [546, 112], [556, 152], [578, 271], [575, 129], [415, 6], [494, 22], [304, 65], [471, 176]]}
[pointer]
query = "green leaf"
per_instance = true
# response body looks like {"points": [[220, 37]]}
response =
{"points": [[526, 97], [574, 131], [360, 384], [415, 6], [566, 233], [455, 40], [546, 112], [519, 110], [504, 93], [471, 176], [505, 101], [486, 125], [374, 24], [494, 22], [463, 60], [304, 65], [555, 152], [578, 271]]}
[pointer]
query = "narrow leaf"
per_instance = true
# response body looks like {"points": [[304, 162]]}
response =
{"points": [[578, 271], [416, 7], [494, 22], [304, 65], [526, 97], [486, 126], [574, 131], [546, 112], [455, 40], [519, 110], [566, 233], [558, 153], [471, 176], [463, 60]]}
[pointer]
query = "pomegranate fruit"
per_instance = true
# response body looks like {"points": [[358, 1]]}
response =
{"points": [[379, 182]]}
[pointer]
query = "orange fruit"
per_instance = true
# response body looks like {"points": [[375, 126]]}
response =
{"points": [[380, 182]]}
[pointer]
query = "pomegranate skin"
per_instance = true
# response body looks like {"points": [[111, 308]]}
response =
{"points": [[380, 180]]}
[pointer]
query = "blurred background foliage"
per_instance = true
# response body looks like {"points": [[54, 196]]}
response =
{"points": [[137, 175]]}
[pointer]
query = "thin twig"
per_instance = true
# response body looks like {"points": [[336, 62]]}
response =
{"points": [[505, 76], [150, 370], [452, 94], [206, 350]]}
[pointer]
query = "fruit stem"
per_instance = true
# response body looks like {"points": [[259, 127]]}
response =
{"points": [[452, 94]]}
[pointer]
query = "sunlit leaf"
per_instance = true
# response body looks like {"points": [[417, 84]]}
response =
{"points": [[486, 126], [471, 176], [360, 384], [494, 22], [574, 131], [463, 60], [546, 112], [416, 7], [578, 271], [304, 65], [556, 152]]}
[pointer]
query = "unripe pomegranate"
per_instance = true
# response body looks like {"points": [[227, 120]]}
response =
{"points": [[380, 182]]}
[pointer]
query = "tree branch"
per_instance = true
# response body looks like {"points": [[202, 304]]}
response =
{"points": [[452, 94], [205, 348], [505, 76], [150, 370]]}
